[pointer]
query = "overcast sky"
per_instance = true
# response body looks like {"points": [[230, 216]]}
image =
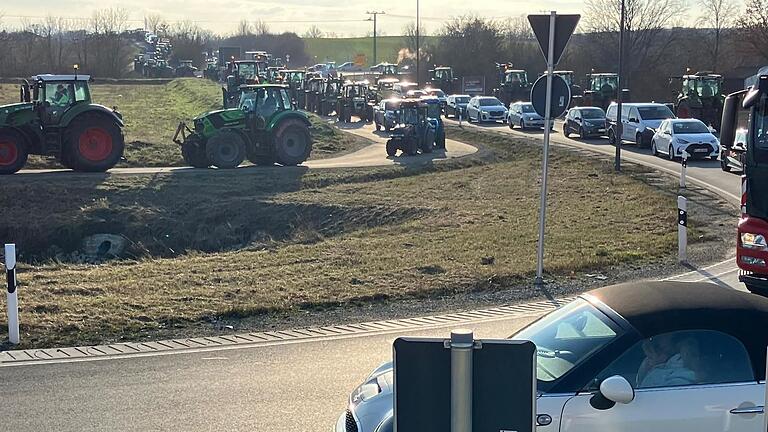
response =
{"points": [[287, 15]]}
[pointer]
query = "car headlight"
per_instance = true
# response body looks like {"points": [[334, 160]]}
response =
{"points": [[754, 241], [715, 141], [365, 391], [682, 141]]}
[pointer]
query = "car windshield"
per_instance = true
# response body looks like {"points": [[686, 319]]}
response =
{"points": [[528, 109], [566, 338], [690, 128], [593, 114], [490, 102], [655, 113], [462, 100]]}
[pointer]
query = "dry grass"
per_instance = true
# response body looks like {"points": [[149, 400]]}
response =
{"points": [[292, 239]]}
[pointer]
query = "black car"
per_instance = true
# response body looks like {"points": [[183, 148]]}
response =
{"points": [[585, 121]]}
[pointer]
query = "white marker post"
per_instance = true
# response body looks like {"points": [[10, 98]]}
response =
{"points": [[13, 300], [682, 229], [684, 169]]}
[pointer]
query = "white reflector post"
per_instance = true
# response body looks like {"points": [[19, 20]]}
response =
{"points": [[13, 300], [682, 229]]}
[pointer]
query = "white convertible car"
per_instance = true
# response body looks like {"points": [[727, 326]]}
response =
{"points": [[641, 357]]}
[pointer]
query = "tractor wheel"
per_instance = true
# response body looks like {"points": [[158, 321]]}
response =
{"points": [[429, 142], [391, 148], [340, 113], [369, 114], [13, 152], [93, 143], [411, 146], [225, 150], [293, 144], [378, 127], [194, 154]]}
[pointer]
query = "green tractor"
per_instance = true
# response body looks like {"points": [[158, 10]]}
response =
{"points": [[415, 132], [701, 97], [442, 78], [294, 78], [240, 73], [356, 99], [56, 117], [265, 128], [602, 89], [313, 87], [513, 84], [329, 96]]}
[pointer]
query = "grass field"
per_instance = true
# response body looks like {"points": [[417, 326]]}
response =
{"points": [[258, 242], [152, 112], [343, 50]]}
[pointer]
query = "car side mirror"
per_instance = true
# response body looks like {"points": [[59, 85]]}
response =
{"points": [[577, 118], [617, 389], [633, 120]]}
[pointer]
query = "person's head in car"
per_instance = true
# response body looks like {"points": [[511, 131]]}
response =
{"points": [[664, 365]]}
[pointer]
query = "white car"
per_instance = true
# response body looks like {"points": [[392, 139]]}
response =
{"points": [[675, 136], [486, 109], [439, 94], [639, 357]]}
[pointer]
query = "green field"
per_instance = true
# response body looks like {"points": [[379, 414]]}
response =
{"points": [[343, 50]]}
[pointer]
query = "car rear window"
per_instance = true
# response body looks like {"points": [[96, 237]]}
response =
{"points": [[655, 113]]}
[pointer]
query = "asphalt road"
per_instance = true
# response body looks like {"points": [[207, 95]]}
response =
{"points": [[292, 387]]}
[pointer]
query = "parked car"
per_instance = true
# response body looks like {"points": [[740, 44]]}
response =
{"points": [[734, 159], [522, 114], [400, 89], [640, 121], [439, 94], [585, 121], [456, 105], [386, 114], [485, 108], [646, 356], [348, 67], [673, 137]]}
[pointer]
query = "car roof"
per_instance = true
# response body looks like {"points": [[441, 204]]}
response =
{"points": [[639, 104], [687, 120], [654, 308], [51, 77]]}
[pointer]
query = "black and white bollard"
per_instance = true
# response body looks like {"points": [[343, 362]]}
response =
{"points": [[682, 229], [683, 169], [13, 299]]}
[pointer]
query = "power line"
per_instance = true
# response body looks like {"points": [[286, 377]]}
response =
{"points": [[316, 21]]}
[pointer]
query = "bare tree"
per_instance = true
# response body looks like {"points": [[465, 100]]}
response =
{"points": [[259, 28], [717, 18], [243, 28], [647, 22], [754, 27], [154, 23], [313, 32]]}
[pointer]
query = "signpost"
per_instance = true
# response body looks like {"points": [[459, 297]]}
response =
{"points": [[473, 85], [464, 385], [553, 33]]}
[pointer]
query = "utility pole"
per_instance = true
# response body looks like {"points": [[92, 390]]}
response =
{"points": [[374, 14], [418, 49], [619, 117]]}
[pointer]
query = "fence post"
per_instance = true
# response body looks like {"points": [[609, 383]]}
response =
{"points": [[13, 300], [682, 229]]}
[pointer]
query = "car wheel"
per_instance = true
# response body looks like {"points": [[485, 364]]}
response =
{"points": [[671, 153], [639, 140], [509, 122], [582, 134], [654, 150], [612, 137], [522, 124], [566, 133]]}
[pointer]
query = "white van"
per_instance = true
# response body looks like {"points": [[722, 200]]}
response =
{"points": [[640, 121]]}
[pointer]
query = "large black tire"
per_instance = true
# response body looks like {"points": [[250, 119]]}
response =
{"points": [[440, 140], [225, 150], [13, 152], [293, 143], [391, 148], [411, 146], [193, 154], [429, 142], [93, 143], [565, 130]]}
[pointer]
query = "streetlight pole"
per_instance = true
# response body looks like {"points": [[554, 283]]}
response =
{"points": [[374, 14], [418, 50], [619, 117]]}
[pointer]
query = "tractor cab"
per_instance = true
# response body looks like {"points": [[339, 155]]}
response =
{"points": [[329, 96], [414, 133], [260, 103], [386, 70], [435, 117], [248, 71], [700, 96], [442, 78], [355, 99], [273, 74], [601, 90], [752, 240], [513, 84], [312, 90]]}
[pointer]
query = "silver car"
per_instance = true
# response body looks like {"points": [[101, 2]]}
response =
{"points": [[485, 109], [523, 114]]}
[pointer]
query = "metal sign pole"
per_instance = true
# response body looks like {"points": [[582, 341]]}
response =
{"points": [[547, 132], [619, 133], [462, 344]]}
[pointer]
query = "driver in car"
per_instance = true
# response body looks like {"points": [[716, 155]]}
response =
{"points": [[664, 365]]}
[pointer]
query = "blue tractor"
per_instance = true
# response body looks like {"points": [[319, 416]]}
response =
{"points": [[415, 132], [434, 116]]}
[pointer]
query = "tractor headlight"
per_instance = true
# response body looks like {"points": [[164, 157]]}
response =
{"points": [[753, 241]]}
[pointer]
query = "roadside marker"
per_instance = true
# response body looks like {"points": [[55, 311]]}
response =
{"points": [[682, 229], [13, 300], [684, 169]]}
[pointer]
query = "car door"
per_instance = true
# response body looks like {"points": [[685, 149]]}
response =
{"points": [[472, 109], [632, 122], [708, 385]]}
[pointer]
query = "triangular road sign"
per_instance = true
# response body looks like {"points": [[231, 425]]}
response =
{"points": [[565, 25]]}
